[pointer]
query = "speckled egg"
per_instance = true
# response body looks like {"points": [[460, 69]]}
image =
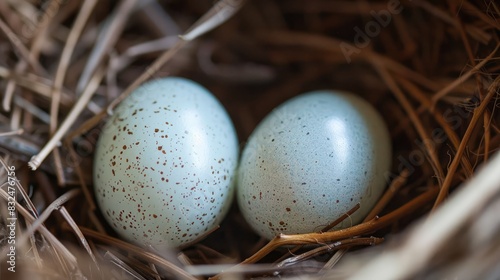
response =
{"points": [[311, 160], [164, 164]]}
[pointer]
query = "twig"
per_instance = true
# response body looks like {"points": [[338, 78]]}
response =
{"points": [[475, 119], [391, 191], [363, 228], [82, 17], [431, 152], [79, 234]]}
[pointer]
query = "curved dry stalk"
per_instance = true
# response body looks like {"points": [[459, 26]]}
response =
{"points": [[363, 228], [37, 159], [417, 123], [492, 90], [123, 60], [82, 17], [325, 229], [80, 21], [79, 234], [391, 191]]}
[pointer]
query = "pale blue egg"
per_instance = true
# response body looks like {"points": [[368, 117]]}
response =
{"points": [[165, 163], [311, 160]]}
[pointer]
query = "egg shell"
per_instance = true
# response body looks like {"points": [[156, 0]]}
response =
{"points": [[164, 164], [311, 160]]}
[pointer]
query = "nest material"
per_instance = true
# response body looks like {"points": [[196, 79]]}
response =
{"points": [[431, 70]]}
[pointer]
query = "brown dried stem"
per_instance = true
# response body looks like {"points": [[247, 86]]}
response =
{"points": [[36, 160], [430, 150], [361, 229]]}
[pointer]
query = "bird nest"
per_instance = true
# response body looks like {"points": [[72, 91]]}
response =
{"points": [[430, 68]]}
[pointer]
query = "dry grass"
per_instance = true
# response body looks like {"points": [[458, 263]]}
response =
{"points": [[432, 71]]}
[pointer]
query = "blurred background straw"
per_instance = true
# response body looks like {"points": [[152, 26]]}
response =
{"points": [[432, 70]]}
